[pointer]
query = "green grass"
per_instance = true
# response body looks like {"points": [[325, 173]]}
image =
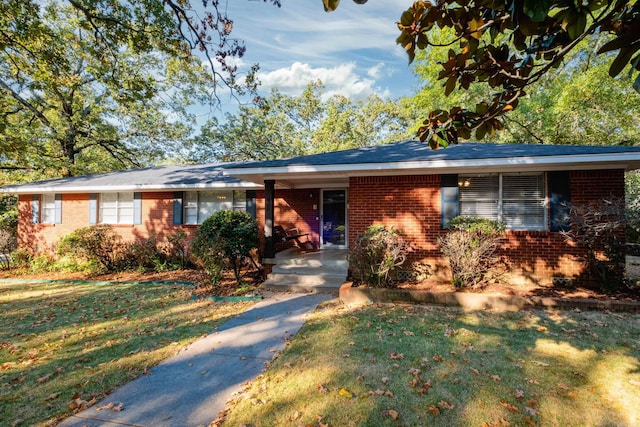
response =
{"points": [[433, 366], [60, 342]]}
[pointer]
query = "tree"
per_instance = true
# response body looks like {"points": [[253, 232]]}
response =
{"points": [[569, 106], [285, 126], [69, 107], [509, 45], [92, 85]]}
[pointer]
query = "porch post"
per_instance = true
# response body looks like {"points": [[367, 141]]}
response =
{"points": [[269, 193]]}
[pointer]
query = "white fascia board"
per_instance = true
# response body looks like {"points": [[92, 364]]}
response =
{"points": [[628, 161], [116, 188]]}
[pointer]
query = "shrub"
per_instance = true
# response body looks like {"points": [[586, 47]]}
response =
{"points": [[378, 253], [178, 248], [470, 247], [225, 239], [98, 243], [142, 255], [599, 228], [20, 258], [8, 243]]}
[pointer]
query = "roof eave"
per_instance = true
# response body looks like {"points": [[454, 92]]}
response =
{"points": [[35, 189], [627, 161]]}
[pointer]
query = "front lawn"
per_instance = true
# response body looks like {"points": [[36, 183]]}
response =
{"points": [[386, 365], [64, 346]]}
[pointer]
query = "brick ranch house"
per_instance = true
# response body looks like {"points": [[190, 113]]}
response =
{"points": [[333, 197]]}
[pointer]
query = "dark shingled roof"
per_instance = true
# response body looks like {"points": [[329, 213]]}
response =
{"points": [[218, 175], [414, 151], [177, 176]]}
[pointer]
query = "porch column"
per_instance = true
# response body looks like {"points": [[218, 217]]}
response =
{"points": [[269, 193]]}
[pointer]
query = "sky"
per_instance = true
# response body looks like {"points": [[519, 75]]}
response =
{"points": [[351, 50]]}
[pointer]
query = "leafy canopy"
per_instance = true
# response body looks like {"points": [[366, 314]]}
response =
{"points": [[509, 45]]}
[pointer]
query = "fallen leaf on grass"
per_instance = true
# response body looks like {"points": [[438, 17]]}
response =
{"points": [[496, 378], [539, 363], [563, 386], [519, 394], [391, 413], [51, 396], [433, 410], [17, 422], [509, 406], [634, 382], [346, 393], [396, 356], [44, 379], [445, 405], [322, 389], [385, 380], [530, 411]]}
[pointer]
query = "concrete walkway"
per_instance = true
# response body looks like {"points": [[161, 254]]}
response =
{"points": [[191, 388]]}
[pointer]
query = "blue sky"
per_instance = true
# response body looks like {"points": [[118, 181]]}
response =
{"points": [[351, 50]]}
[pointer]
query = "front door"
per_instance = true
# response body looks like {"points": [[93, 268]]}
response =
{"points": [[333, 219]]}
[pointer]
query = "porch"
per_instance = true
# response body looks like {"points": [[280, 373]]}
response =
{"points": [[294, 270]]}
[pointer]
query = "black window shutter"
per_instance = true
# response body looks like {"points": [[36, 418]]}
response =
{"points": [[559, 201], [178, 196], [251, 203], [449, 193]]}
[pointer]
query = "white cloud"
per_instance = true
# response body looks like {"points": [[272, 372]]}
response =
{"points": [[377, 71], [341, 79]]}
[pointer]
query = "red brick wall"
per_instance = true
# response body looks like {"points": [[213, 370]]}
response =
{"points": [[410, 203], [157, 218], [413, 204], [293, 209]]}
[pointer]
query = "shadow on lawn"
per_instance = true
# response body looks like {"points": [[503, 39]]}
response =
{"points": [[444, 366], [89, 339]]}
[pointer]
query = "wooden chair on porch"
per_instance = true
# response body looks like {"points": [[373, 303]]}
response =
{"points": [[280, 235]]}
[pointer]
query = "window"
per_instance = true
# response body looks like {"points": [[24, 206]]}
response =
{"points": [[117, 208], [200, 205], [518, 200], [46, 209]]}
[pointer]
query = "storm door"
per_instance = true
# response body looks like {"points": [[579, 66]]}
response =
{"points": [[333, 220]]}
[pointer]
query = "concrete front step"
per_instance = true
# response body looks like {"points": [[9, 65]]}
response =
{"points": [[307, 279], [295, 271], [329, 288], [309, 271], [312, 263]]}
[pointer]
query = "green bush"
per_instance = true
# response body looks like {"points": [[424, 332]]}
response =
{"points": [[378, 253], [225, 239], [20, 258], [99, 244], [470, 247]]}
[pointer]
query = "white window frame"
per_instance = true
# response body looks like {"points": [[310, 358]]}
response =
{"points": [[48, 208], [501, 201], [197, 206], [122, 205]]}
